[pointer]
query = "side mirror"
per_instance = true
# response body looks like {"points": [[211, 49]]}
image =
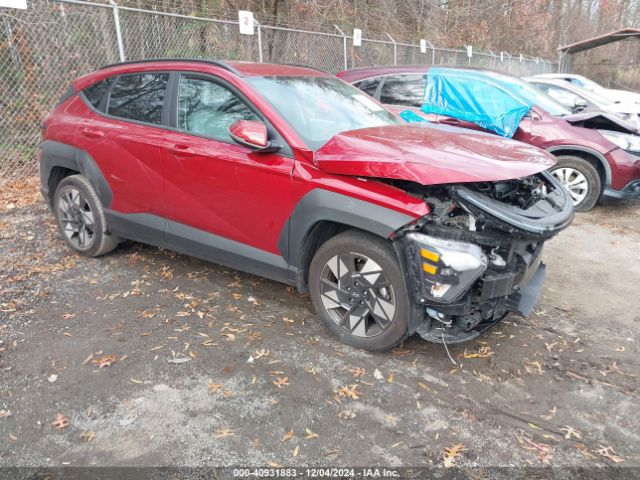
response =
{"points": [[252, 134], [579, 104]]}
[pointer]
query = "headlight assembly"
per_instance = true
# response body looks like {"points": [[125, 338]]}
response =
{"points": [[626, 141], [447, 268]]}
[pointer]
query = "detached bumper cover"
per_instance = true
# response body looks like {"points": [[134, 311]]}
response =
{"points": [[524, 301]]}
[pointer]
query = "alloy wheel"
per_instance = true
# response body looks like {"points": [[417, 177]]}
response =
{"points": [[574, 181], [76, 218], [357, 294]]}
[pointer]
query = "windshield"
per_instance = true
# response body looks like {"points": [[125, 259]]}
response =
{"points": [[536, 96], [587, 84], [318, 108]]}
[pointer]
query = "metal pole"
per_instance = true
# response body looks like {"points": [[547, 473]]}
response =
{"points": [[116, 20], [395, 49], [259, 39], [344, 47]]}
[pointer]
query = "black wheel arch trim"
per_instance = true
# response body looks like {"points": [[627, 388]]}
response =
{"points": [[324, 205], [56, 154], [579, 148]]}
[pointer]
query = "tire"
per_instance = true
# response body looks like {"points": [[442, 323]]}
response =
{"points": [[576, 169], [379, 303], [80, 217]]}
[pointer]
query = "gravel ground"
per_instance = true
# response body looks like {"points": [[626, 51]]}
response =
{"points": [[145, 357]]}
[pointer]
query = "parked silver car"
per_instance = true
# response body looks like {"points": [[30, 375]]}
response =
{"points": [[613, 95], [578, 99]]}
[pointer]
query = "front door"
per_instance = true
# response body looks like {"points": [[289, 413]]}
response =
{"points": [[228, 196]]}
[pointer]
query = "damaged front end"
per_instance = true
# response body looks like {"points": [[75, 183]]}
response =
{"points": [[477, 255]]}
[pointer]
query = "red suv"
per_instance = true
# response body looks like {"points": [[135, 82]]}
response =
{"points": [[592, 161], [292, 174]]}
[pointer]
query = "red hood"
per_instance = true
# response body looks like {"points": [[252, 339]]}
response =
{"points": [[430, 154]]}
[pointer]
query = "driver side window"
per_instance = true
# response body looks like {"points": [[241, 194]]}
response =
{"points": [[207, 108]]}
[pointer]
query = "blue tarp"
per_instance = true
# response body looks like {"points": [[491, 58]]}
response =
{"points": [[476, 97], [410, 116]]}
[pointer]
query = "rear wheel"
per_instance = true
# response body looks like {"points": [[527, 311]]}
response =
{"points": [[359, 291], [581, 179], [81, 218]]}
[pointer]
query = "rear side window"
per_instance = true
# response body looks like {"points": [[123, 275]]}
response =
{"points": [[407, 90], [139, 97], [368, 86], [96, 92]]}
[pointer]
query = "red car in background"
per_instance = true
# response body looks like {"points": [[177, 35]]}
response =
{"points": [[589, 165], [292, 174]]}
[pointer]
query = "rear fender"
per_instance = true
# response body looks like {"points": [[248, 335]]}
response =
{"points": [[56, 154]]}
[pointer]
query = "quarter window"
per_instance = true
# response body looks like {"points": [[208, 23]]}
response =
{"points": [[209, 109], [368, 86], [95, 93], [406, 90], [139, 97]]}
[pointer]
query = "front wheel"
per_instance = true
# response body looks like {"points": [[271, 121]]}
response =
{"points": [[359, 291], [580, 178]]}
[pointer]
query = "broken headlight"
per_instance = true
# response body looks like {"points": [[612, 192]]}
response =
{"points": [[446, 268]]}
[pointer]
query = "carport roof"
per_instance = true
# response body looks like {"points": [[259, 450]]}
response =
{"points": [[600, 40]]}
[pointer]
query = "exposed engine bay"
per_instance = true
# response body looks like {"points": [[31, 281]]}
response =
{"points": [[477, 255]]}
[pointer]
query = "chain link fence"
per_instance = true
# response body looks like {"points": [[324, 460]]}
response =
{"points": [[46, 46]]}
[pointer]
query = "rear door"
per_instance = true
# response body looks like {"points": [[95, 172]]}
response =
{"points": [[122, 135]]}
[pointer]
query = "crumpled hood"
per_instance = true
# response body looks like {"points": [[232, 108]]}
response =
{"points": [[430, 154], [600, 119]]}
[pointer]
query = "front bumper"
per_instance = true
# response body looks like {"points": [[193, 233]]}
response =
{"points": [[625, 171], [630, 192]]}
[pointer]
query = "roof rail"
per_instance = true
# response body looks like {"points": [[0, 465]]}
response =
{"points": [[306, 66], [197, 60]]}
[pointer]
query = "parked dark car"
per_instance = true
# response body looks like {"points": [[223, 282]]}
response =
{"points": [[292, 174], [589, 165]]}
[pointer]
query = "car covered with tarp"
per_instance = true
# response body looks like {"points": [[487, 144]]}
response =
{"points": [[598, 154]]}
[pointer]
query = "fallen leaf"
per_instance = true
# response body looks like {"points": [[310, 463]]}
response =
{"points": [[105, 361], [450, 454], [350, 391], [288, 436], [378, 375], [5, 413], [52, 378], [261, 353], [483, 352], [179, 360], [347, 414], [224, 432], [88, 436], [608, 452], [357, 372], [133, 380], [552, 413], [295, 451], [281, 382], [60, 422], [390, 378], [310, 434], [213, 387], [570, 432], [544, 450]]}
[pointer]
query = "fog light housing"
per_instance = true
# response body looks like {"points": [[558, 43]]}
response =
{"points": [[446, 268]]}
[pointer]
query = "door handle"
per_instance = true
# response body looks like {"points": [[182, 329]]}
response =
{"points": [[182, 150], [92, 133], [451, 121]]}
